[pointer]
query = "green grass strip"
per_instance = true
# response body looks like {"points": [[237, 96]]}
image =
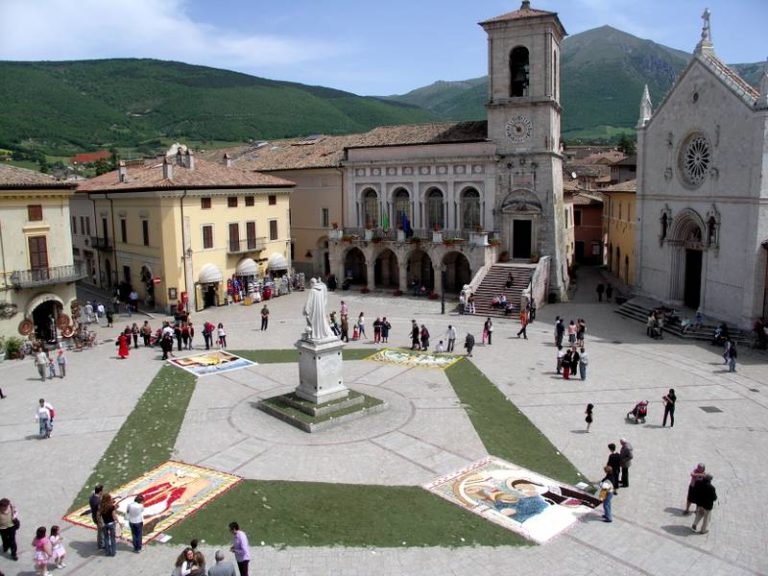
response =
{"points": [[148, 436], [504, 430], [282, 513], [292, 355]]}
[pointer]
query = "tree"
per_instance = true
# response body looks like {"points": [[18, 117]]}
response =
{"points": [[626, 144]]}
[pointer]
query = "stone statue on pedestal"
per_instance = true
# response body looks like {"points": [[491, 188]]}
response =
{"points": [[314, 311]]}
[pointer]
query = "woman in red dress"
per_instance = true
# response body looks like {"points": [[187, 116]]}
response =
{"points": [[123, 346]]}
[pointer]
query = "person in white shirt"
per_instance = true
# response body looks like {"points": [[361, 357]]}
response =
{"points": [[44, 417], [450, 335], [440, 348], [135, 514]]}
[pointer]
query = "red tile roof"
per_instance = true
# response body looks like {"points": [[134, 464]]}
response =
{"points": [[204, 175], [525, 11], [88, 157], [13, 178], [628, 186]]}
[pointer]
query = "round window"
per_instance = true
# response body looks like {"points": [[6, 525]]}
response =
{"points": [[695, 159]]}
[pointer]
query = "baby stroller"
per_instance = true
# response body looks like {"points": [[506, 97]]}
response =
{"points": [[639, 412]]}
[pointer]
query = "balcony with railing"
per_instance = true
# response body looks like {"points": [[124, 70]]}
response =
{"points": [[253, 244], [103, 244], [442, 236], [37, 277]]}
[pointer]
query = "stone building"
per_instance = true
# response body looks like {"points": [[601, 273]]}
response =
{"points": [[37, 274], [179, 228], [702, 186]]}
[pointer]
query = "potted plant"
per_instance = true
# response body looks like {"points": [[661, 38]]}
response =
{"points": [[534, 257], [13, 347]]}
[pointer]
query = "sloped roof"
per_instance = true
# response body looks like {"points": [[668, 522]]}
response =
{"points": [[316, 152], [12, 178], [628, 186], [432, 133], [731, 79], [87, 157], [204, 175], [525, 11]]}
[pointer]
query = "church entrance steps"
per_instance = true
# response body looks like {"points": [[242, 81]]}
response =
{"points": [[494, 284]]}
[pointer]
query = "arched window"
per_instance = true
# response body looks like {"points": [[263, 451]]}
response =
{"points": [[435, 211], [518, 72], [402, 209], [470, 209], [370, 208]]}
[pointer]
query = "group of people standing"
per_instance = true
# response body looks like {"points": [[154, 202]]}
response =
{"points": [[46, 364], [574, 358]]}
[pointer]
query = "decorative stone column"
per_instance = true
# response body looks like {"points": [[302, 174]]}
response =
{"points": [[370, 268], [320, 370]]}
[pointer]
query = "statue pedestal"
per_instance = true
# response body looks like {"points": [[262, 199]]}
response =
{"points": [[320, 370]]}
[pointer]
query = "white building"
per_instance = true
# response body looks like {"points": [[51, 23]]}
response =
{"points": [[702, 192]]}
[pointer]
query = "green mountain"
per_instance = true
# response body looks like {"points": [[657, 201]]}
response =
{"points": [[61, 107], [603, 74]]}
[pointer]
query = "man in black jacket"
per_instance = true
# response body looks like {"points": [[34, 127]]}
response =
{"points": [[704, 496]]}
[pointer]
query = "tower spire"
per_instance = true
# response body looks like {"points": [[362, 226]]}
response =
{"points": [[646, 110], [705, 47]]}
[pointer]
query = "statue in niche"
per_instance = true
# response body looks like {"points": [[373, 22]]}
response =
{"points": [[314, 311]]}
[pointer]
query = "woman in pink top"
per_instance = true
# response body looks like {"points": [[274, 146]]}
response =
{"points": [[240, 548], [43, 550]]}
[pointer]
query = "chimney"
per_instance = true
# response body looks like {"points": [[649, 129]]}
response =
{"points": [[227, 160], [122, 172], [167, 169], [179, 157], [190, 160]]}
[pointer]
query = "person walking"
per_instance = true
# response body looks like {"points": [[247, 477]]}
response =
{"points": [[566, 364], [575, 358], [44, 416], [344, 329], [627, 455], [732, 355], [58, 552], [488, 330], [560, 358], [614, 461], [123, 345], [523, 324], [572, 333], [583, 363], [606, 494], [51, 368], [185, 336], [705, 497], [222, 334], [669, 408], [42, 546], [41, 363], [415, 336], [608, 292], [109, 522], [222, 567], [559, 331], [264, 317], [600, 290], [135, 514], [697, 474], [93, 503], [450, 337], [469, 343], [208, 329], [240, 548], [424, 338], [9, 525], [588, 412], [377, 330]]}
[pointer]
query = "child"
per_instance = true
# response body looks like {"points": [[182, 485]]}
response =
{"points": [[588, 412], [51, 368], [440, 347], [42, 547], [222, 336], [57, 547], [61, 359]]}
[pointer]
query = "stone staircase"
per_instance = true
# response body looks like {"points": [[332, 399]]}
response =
{"points": [[494, 284], [639, 309]]}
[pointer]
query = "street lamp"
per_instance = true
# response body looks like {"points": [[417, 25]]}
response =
{"points": [[442, 288]]}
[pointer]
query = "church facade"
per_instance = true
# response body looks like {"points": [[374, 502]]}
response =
{"points": [[702, 192]]}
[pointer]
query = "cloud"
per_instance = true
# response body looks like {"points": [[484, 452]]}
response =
{"points": [[87, 29]]}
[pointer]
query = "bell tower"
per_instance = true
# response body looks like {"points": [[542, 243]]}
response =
{"points": [[523, 111]]}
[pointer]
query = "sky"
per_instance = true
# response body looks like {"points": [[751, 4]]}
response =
{"points": [[368, 47]]}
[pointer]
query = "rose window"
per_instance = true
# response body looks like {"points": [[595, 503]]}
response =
{"points": [[695, 159]]}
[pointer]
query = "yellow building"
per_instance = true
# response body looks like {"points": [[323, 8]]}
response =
{"points": [[619, 222], [37, 275], [180, 228]]}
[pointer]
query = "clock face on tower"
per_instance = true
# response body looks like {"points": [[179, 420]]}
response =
{"points": [[519, 129]]}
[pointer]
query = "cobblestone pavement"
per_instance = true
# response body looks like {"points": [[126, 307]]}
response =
{"points": [[649, 536]]}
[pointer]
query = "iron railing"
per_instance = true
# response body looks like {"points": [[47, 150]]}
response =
{"points": [[103, 244], [247, 245], [36, 277]]}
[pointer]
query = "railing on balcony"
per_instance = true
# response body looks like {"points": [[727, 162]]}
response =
{"points": [[247, 245], [47, 276], [425, 234], [103, 244]]}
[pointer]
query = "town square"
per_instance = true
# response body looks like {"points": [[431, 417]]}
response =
{"points": [[260, 326]]}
